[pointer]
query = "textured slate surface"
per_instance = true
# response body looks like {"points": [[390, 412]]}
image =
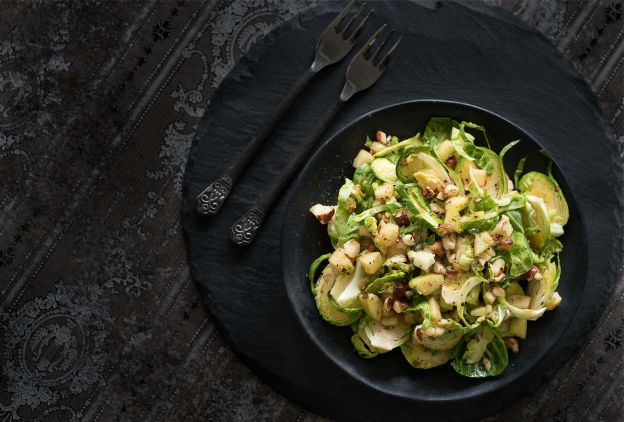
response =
{"points": [[468, 53], [99, 102]]}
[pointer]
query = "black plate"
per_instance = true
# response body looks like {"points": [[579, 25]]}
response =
{"points": [[304, 239]]}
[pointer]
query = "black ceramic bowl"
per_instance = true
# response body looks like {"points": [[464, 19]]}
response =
{"points": [[304, 239]]}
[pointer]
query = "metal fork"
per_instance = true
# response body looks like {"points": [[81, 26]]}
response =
{"points": [[364, 70], [333, 45]]}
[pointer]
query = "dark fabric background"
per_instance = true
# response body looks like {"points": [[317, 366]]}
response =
{"points": [[99, 101]]}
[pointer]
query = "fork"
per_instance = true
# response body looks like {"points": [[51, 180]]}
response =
{"points": [[364, 70], [335, 42]]}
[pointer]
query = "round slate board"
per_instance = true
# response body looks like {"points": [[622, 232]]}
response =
{"points": [[462, 52]]}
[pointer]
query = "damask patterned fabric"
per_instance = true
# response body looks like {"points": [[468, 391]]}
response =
{"points": [[99, 101]]}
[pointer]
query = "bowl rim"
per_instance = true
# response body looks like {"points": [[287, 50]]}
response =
{"points": [[510, 379]]}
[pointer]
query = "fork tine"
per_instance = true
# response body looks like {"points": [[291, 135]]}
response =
{"points": [[386, 59], [381, 46], [358, 31], [338, 20], [347, 26], [369, 44]]}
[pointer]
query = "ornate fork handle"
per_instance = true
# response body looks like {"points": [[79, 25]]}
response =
{"points": [[211, 199], [246, 228]]}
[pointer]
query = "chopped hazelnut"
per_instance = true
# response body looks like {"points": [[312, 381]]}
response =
{"points": [[419, 333], [451, 161], [512, 344], [387, 306], [450, 191], [437, 248], [505, 243], [381, 137], [444, 228], [531, 273], [498, 291], [399, 291], [401, 218], [399, 306], [323, 213]]}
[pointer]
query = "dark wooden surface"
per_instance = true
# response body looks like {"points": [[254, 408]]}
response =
{"points": [[99, 102]]}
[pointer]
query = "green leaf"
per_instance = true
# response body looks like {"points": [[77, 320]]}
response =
{"points": [[518, 257], [389, 206], [342, 227], [425, 312], [412, 197], [419, 226], [495, 352], [458, 144], [364, 175], [507, 148], [485, 223], [518, 171], [498, 318], [399, 266], [345, 193], [515, 218], [438, 130], [477, 127], [480, 156], [362, 348], [485, 202], [517, 202], [313, 268], [379, 283], [399, 147]]}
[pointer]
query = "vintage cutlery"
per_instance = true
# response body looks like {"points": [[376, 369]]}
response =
{"points": [[333, 45], [364, 70]]}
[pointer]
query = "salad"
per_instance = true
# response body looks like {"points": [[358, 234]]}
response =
{"points": [[438, 252]]}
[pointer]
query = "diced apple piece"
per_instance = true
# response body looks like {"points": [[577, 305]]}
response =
{"points": [[497, 266], [427, 284], [341, 262], [362, 157], [377, 147], [518, 327], [422, 259], [388, 234], [434, 308], [351, 248], [428, 179], [384, 192], [452, 207], [503, 228], [479, 175], [445, 149], [482, 242], [372, 305], [554, 301], [408, 239], [371, 262], [520, 301]]}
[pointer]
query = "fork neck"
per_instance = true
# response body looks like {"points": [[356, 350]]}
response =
{"points": [[319, 63], [347, 91]]}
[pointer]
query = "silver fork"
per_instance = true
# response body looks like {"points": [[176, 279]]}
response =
{"points": [[364, 70], [333, 45]]}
